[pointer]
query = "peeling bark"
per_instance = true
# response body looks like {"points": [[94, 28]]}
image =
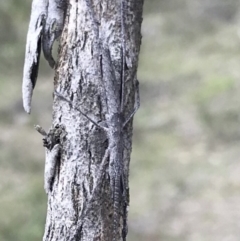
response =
{"points": [[33, 51], [80, 200], [53, 27], [46, 24]]}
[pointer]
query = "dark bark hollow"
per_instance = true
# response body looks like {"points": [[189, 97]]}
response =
{"points": [[80, 204]]}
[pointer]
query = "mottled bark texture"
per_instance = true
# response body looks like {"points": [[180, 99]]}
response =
{"points": [[80, 202]]}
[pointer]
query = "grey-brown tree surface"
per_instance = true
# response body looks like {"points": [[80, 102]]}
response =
{"points": [[89, 144]]}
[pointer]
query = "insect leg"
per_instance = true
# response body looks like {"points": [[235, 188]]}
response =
{"points": [[60, 96], [137, 105]]}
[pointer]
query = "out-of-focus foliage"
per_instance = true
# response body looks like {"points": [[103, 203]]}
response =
{"points": [[14, 16], [185, 182]]}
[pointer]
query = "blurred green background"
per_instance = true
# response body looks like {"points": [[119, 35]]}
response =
{"points": [[185, 168]]}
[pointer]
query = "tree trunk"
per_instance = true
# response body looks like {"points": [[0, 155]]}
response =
{"points": [[80, 202]]}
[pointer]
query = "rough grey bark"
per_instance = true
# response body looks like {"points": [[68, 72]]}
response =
{"points": [[96, 75]]}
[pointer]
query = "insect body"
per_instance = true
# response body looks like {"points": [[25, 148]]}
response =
{"points": [[115, 120]]}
